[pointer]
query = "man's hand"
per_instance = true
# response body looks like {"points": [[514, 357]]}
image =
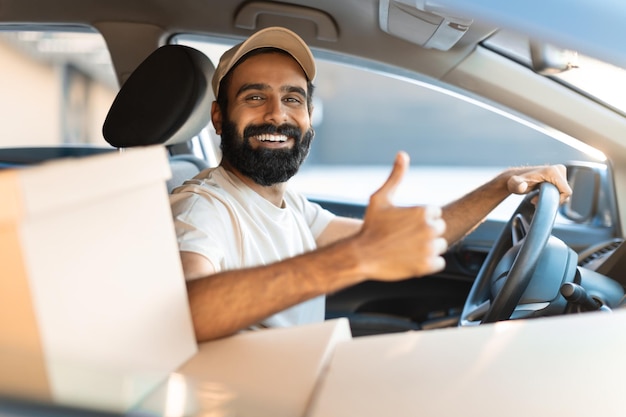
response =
{"points": [[400, 242], [524, 180]]}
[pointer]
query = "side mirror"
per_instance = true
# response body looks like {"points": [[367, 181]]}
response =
{"points": [[593, 196], [585, 182]]}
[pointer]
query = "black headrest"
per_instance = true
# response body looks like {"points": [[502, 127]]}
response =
{"points": [[166, 100]]}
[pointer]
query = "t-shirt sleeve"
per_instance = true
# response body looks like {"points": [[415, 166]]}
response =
{"points": [[315, 215], [196, 227]]}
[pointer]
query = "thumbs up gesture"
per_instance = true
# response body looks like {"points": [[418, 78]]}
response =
{"points": [[400, 242]]}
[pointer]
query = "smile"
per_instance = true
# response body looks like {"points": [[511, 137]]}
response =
{"points": [[271, 138]]}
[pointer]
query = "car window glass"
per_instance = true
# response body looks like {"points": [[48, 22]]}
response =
{"points": [[56, 86], [363, 118], [454, 144]]}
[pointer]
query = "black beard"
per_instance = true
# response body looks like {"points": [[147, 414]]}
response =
{"points": [[265, 166]]}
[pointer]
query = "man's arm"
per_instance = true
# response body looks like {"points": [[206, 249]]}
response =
{"points": [[463, 215], [350, 251], [226, 302]]}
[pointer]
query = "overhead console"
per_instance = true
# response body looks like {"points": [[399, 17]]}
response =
{"points": [[422, 23]]}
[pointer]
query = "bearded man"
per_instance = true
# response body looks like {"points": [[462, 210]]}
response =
{"points": [[255, 253]]}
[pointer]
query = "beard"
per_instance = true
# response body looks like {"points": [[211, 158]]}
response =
{"points": [[265, 166]]}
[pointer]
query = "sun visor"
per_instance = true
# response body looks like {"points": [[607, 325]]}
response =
{"points": [[421, 23]]}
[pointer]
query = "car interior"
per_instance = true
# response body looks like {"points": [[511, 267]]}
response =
{"points": [[164, 96], [117, 75]]}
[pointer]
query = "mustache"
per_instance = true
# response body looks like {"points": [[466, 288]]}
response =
{"points": [[267, 128]]}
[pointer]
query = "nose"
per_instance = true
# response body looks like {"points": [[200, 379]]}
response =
{"points": [[276, 111]]}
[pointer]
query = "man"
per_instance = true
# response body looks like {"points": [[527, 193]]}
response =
{"points": [[257, 254]]}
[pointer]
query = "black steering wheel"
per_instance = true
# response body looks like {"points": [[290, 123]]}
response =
{"points": [[510, 265]]}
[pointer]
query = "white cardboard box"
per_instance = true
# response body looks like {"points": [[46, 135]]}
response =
{"points": [[93, 306], [561, 366], [265, 373]]}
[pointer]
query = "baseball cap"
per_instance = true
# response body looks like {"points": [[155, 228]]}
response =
{"points": [[272, 37]]}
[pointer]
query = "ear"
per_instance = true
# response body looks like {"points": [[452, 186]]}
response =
{"points": [[216, 117]]}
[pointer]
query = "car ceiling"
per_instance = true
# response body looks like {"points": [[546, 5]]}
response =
{"points": [[152, 21]]}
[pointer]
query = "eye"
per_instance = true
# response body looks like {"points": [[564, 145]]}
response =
{"points": [[294, 100], [254, 99]]}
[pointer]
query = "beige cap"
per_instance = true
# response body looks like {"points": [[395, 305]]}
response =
{"points": [[272, 37]]}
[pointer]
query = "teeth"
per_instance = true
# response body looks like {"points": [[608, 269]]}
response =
{"points": [[272, 138]]}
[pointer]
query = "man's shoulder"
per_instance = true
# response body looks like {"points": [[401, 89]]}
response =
{"points": [[209, 185], [210, 180]]}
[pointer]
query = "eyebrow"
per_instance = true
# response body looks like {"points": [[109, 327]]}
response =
{"points": [[262, 86]]}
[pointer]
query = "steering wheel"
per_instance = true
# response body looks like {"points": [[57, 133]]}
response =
{"points": [[509, 266]]}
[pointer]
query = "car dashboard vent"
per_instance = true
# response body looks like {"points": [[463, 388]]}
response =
{"points": [[594, 256]]}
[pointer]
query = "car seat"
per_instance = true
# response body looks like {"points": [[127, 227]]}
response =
{"points": [[166, 100]]}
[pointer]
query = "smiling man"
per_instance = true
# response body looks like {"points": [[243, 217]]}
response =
{"points": [[275, 115], [257, 254]]}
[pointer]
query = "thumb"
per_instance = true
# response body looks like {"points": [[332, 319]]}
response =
{"points": [[385, 193]]}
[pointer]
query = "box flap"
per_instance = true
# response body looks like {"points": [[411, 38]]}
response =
{"points": [[67, 182], [271, 372]]}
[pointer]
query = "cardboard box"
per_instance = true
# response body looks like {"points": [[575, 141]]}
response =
{"points": [[271, 372], [559, 366], [93, 305]]}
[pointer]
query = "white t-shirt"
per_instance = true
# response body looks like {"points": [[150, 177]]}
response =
{"points": [[219, 217]]}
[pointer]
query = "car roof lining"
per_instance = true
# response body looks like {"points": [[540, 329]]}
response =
{"points": [[152, 30]]}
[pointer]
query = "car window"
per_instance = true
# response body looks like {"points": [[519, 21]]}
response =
{"points": [[454, 144], [70, 85], [364, 114]]}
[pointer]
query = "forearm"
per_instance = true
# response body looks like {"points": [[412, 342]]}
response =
{"points": [[226, 302], [466, 213], [463, 215]]}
